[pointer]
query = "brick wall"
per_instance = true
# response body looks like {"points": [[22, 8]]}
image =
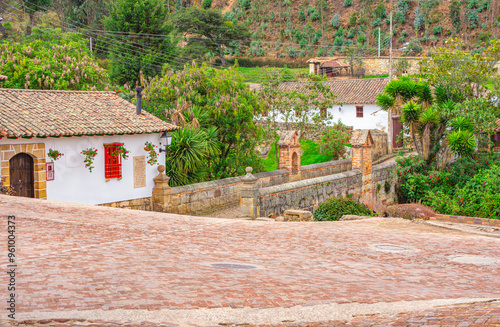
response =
{"points": [[467, 220]]}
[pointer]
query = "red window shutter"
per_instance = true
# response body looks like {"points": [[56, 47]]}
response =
{"points": [[359, 111], [112, 164]]}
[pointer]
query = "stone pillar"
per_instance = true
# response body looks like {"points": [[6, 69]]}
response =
{"points": [[161, 191], [289, 146], [249, 195], [362, 144]]}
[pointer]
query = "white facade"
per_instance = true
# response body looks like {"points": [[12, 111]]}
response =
{"points": [[373, 116], [74, 183]]}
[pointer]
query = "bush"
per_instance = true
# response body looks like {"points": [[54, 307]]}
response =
{"points": [[334, 140], [206, 4], [335, 21], [347, 3], [334, 208]]}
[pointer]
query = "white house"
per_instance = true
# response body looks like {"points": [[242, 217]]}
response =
{"points": [[32, 122]]}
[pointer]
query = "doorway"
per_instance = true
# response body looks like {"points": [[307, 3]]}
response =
{"points": [[22, 179]]}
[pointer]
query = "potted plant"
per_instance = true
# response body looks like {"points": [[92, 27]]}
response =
{"points": [[54, 155], [89, 154], [120, 151], [153, 155]]}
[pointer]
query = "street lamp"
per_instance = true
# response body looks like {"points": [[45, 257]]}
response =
{"points": [[165, 138]]}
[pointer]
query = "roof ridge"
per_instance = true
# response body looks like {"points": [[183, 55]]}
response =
{"points": [[53, 91]]}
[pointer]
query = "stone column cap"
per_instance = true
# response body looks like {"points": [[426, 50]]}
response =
{"points": [[249, 178]]}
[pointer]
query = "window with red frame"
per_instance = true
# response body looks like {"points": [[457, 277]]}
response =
{"points": [[359, 111], [112, 163]]}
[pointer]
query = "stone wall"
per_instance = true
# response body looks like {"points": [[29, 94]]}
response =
{"points": [[136, 204], [325, 168], [380, 147], [307, 194], [362, 181], [380, 65]]}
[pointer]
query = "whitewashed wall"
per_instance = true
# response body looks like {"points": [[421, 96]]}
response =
{"points": [[373, 116], [74, 183]]}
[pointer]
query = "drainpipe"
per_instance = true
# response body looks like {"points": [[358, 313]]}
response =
{"points": [[139, 100]]}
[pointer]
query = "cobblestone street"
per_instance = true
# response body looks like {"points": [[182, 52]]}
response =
{"points": [[82, 265]]}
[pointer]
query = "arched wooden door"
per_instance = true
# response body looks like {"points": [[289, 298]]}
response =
{"points": [[22, 179]]}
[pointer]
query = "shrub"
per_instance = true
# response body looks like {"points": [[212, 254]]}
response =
{"points": [[334, 208], [335, 21], [333, 141], [206, 4], [437, 29], [347, 3]]}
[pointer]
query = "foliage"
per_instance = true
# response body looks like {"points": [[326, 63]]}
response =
{"points": [[54, 154], [462, 73], [206, 4], [130, 56], [89, 154], [335, 21], [153, 155], [209, 30], [120, 151], [455, 15], [347, 3], [51, 60], [32, 7], [335, 208], [310, 155], [211, 98], [189, 154], [334, 140]]}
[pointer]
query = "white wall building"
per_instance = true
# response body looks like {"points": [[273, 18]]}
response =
{"points": [[356, 106], [34, 121]]}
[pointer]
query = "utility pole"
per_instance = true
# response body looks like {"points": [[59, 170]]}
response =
{"points": [[379, 41]]}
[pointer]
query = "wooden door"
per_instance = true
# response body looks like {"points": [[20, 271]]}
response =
{"points": [[22, 179], [397, 127]]}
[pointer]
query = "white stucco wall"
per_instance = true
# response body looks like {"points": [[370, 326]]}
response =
{"points": [[373, 116], [74, 183]]}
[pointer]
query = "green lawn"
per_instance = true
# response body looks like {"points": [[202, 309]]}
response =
{"points": [[309, 157], [258, 74]]}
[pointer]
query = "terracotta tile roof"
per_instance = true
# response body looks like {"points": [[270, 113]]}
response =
{"points": [[351, 91], [498, 123], [28, 113], [333, 64]]}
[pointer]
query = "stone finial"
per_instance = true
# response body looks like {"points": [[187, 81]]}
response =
{"points": [[249, 178], [161, 175]]}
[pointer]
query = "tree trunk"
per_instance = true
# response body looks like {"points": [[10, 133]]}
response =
{"points": [[223, 60], [29, 27], [426, 142]]}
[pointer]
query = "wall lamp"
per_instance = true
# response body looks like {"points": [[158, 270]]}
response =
{"points": [[165, 138]]}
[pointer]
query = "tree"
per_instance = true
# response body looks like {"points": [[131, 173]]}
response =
{"points": [[51, 60], [462, 74], [294, 109], [32, 7], [455, 15], [140, 51], [437, 123], [209, 29], [206, 97]]}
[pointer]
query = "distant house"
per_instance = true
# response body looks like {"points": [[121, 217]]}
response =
{"points": [[357, 102], [329, 67], [32, 122]]}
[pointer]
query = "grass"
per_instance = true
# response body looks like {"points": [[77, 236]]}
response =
{"points": [[375, 76], [309, 157], [258, 74]]}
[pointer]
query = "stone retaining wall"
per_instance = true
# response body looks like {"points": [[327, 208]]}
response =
{"points": [[307, 194], [325, 168], [373, 185], [467, 220], [136, 204]]}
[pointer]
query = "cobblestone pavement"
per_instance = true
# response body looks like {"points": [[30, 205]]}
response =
{"points": [[76, 260]]}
